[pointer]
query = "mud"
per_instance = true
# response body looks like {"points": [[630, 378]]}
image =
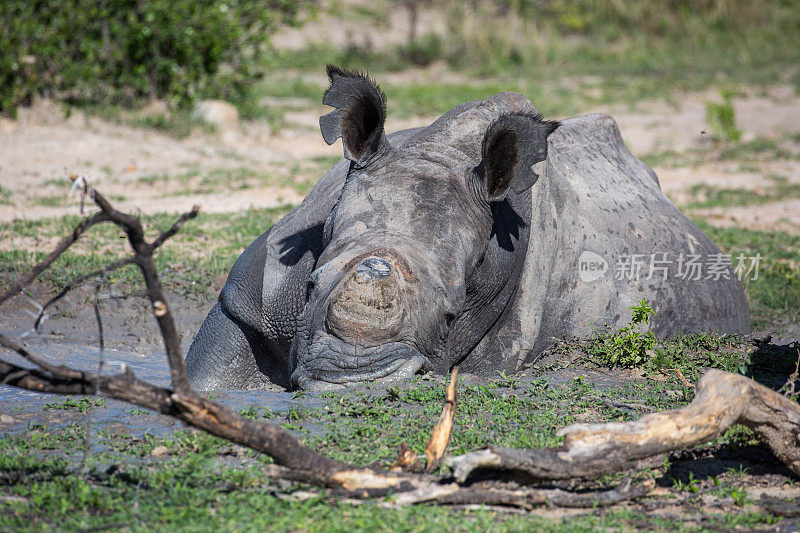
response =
{"points": [[69, 335]]}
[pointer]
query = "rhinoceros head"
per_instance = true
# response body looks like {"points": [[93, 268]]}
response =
{"points": [[411, 225]]}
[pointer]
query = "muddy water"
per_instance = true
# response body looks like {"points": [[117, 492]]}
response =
{"points": [[19, 409]]}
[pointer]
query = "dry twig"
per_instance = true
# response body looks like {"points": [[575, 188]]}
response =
{"points": [[62, 247], [443, 430], [683, 379]]}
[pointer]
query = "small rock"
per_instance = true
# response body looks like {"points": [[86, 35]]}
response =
{"points": [[158, 451], [6, 419], [217, 113]]}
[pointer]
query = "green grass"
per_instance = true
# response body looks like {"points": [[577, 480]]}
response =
{"points": [[705, 196], [51, 201], [487, 415], [212, 181], [299, 175], [748, 153], [193, 493], [5, 196], [201, 484], [568, 71], [178, 122], [72, 404], [205, 247], [721, 118], [553, 96], [759, 149], [775, 295], [569, 57]]}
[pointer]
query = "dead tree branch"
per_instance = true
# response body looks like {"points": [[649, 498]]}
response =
{"points": [[591, 450], [408, 461], [183, 402], [524, 497], [63, 372], [144, 260]]}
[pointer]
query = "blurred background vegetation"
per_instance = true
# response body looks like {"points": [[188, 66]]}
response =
{"points": [[127, 51], [630, 35]]}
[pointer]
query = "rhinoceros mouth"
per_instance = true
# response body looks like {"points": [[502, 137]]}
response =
{"points": [[330, 364]]}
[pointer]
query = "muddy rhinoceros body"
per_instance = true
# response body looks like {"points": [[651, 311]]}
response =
{"points": [[475, 241]]}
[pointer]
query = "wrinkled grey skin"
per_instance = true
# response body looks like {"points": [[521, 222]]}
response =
{"points": [[401, 259]]}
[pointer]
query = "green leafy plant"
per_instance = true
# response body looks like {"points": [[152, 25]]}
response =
{"points": [[504, 379], [739, 472], [690, 485], [72, 404], [721, 118], [630, 345], [739, 496], [5, 196]]}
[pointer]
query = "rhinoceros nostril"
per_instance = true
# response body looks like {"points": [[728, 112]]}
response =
{"points": [[373, 268]]}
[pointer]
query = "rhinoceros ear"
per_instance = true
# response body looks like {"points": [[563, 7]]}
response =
{"points": [[359, 115], [512, 145]]}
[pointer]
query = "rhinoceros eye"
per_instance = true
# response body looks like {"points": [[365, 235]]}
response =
{"points": [[311, 284]]}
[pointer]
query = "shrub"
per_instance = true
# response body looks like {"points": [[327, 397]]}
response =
{"points": [[627, 347], [123, 50]]}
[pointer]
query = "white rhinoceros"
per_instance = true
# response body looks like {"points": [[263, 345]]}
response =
{"points": [[474, 241]]}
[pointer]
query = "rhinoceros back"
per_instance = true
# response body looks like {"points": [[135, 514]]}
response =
{"points": [[599, 224]]}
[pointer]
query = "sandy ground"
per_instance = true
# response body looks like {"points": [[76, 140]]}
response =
{"points": [[42, 147], [656, 127], [135, 165]]}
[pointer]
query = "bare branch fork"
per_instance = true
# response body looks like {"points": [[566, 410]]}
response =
{"points": [[588, 451]]}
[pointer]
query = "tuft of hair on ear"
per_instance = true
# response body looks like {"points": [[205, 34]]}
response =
{"points": [[511, 146], [360, 112], [333, 72], [549, 125]]}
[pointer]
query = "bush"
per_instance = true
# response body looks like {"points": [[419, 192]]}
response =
{"points": [[122, 51], [627, 347]]}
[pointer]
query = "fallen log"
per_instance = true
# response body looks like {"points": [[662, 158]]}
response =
{"points": [[590, 450]]}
